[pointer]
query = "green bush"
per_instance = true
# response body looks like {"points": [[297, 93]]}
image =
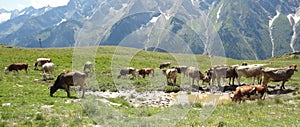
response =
{"points": [[169, 89]]}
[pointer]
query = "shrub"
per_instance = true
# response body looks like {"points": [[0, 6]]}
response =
{"points": [[169, 89]]}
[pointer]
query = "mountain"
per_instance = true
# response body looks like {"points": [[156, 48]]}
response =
{"points": [[257, 29]]}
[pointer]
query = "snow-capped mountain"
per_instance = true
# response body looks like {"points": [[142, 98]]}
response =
{"points": [[247, 29]]}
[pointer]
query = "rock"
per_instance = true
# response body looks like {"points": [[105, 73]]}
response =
{"points": [[6, 104]]}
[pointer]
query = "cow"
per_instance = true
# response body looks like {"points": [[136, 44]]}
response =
{"points": [[127, 71], [16, 67], [241, 92], [222, 71], [69, 78], [48, 69], [261, 90], [146, 71], [164, 65], [88, 65], [278, 74], [195, 74], [40, 62], [254, 71], [181, 69], [171, 74]]}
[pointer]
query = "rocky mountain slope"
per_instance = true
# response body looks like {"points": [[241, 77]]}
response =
{"points": [[257, 29]]}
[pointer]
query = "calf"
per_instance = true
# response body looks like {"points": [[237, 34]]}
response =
{"points": [[127, 71], [164, 65], [66, 79], [171, 74], [48, 69], [146, 71], [278, 74], [40, 62], [88, 65], [16, 67]]}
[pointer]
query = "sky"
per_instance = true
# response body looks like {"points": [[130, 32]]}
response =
{"points": [[21, 4]]}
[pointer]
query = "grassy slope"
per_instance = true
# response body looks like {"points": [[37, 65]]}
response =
{"points": [[28, 96]]}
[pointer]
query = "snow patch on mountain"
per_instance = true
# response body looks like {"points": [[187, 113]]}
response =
{"points": [[294, 19], [62, 20], [271, 21], [4, 16], [219, 12]]}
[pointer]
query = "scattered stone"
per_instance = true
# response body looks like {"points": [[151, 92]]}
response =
{"points": [[6, 104]]}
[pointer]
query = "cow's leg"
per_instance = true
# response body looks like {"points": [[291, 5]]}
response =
{"points": [[239, 80], [83, 90], [193, 81], [174, 81], [282, 85], [68, 90]]}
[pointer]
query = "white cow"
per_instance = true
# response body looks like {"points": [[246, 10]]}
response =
{"points": [[254, 71], [48, 69], [88, 65]]}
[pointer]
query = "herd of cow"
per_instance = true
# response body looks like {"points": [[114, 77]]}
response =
{"points": [[242, 92], [63, 81], [263, 76]]}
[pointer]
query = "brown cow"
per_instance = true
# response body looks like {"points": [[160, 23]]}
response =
{"points": [[146, 71], [164, 65], [171, 74], [241, 92], [16, 67], [278, 74], [66, 79], [127, 71], [261, 90], [40, 62]]}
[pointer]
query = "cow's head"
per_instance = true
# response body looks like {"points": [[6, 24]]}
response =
{"points": [[293, 66], [53, 89], [6, 70]]}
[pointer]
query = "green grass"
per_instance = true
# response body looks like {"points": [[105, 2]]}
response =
{"points": [[25, 99]]}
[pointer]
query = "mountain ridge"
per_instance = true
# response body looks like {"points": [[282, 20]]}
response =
{"points": [[247, 29]]}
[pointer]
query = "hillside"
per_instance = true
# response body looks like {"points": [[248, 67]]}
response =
{"points": [[25, 100], [252, 30]]}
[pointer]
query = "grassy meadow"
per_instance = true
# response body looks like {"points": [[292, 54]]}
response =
{"points": [[25, 99]]}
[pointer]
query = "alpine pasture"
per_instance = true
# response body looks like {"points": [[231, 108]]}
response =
{"points": [[25, 99]]}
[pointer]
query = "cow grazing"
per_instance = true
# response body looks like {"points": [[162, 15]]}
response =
{"points": [[181, 69], [254, 71], [241, 92], [195, 74], [48, 69], [127, 71], [40, 62], [165, 65], [69, 78], [278, 74], [171, 74], [88, 65], [261, 90], [16, 67], [146, 71], [222, 71]]}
